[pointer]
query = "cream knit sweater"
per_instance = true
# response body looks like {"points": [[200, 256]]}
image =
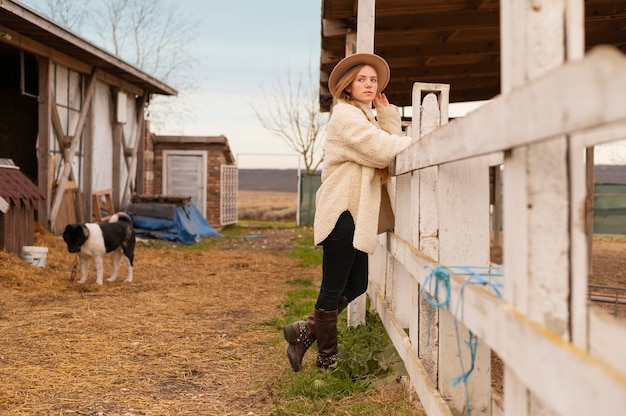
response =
{"points": [[355, 146]]}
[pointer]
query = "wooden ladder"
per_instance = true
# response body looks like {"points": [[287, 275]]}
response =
{"points": [[102, 201]]}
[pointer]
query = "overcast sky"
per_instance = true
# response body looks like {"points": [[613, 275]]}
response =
{"points": [[241, 48], [244, 46]]}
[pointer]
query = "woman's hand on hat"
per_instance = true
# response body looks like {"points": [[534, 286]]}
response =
{"points": [[380, 100]]}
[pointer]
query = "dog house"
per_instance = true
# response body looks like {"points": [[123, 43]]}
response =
{"points": [[71, 115], [19, 197], [201, 167]]}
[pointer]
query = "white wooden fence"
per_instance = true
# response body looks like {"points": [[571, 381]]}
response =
{"points": [[559, 356]]}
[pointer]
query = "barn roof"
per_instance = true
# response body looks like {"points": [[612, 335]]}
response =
{"points": [[454, 42], [21, 24], [17, 189]]}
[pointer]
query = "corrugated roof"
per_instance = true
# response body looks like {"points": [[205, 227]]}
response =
{"points": [[16, 188]]}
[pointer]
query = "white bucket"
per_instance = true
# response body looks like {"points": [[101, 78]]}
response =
{"points": [[35, 255]]}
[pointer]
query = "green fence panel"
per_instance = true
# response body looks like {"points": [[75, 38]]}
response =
{"points": [[309, 184]]}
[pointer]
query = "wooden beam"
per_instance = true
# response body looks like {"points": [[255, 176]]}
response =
{"points": [[29, 45], [334, 28], [407, 22], [140, 105], [44, 179], [34, 47], [71, 151]]}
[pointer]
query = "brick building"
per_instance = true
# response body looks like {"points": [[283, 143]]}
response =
{"points": [[202, 167]]}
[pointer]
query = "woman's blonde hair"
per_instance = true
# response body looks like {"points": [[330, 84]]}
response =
{"points": [[340, 93]]}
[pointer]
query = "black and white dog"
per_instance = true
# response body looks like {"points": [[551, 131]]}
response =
{"points": [[95, 240]]}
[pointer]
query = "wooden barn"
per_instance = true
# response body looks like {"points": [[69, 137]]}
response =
{"points": [[71, 115], [19, 197], [202, 167], [553, 74]]}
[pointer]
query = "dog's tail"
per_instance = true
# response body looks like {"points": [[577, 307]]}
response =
{"points": [[121, 216]]}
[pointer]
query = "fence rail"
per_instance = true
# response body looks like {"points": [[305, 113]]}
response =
{"points": [[558, 353]]}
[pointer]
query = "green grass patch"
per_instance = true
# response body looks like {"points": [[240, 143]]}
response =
{"points": [[368, 361], [307, 252]]}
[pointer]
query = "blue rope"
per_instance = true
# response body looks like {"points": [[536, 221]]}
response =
{"points": [[441, 277], [441, 274]]}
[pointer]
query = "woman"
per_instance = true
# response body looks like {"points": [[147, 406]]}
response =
{"points": [[358, 150]]}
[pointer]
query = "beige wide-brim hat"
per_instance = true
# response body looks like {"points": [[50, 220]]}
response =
{"points": [[379, 64]]}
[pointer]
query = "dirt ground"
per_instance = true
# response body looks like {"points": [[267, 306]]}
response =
{"points": [[194, 334]]}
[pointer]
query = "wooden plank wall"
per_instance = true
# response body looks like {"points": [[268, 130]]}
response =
{"points": [[17, 229]]}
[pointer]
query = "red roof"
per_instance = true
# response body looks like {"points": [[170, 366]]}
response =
{"points": [[16, 188]]}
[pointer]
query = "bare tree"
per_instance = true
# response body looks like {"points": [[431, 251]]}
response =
{"points": [[292, 112], [153, 35], [70, 14]]}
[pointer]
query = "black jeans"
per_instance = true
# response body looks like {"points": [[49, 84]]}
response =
{"points": [[344, 268]]}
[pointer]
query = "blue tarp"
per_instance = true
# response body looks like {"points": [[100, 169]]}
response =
{"points": [[183, 223]]}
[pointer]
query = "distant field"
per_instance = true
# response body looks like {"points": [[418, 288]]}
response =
{"points": [[267, 205]]}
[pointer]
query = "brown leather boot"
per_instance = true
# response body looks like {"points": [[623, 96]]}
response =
{"points": [[301, 335], [326, 331]]}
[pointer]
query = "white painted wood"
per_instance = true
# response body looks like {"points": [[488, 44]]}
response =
{"points": [[607, 338], [580, 95], [549, 239], [574, 30], [400, 298], [404, 215], [544, 32], [579, 243], [378, 263], [609, 132], [516, 224], [364, 43], [431, 400], [120, 108], [540, 126], [516, 397], [429, 211], [102, 143], [136, 109], [512, 45], [365, 26], [532, 351], [463, 192], [184, 173]]}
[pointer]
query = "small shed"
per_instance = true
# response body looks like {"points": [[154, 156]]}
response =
{"points": [[202, 167], [19, 198]]}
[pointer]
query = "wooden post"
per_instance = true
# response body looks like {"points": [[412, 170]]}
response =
{"points": [[364, 43], [430, 111], [43, 144], [537, 37]]}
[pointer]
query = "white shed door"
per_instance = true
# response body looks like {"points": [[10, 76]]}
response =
{"points": [[184, 173]]}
